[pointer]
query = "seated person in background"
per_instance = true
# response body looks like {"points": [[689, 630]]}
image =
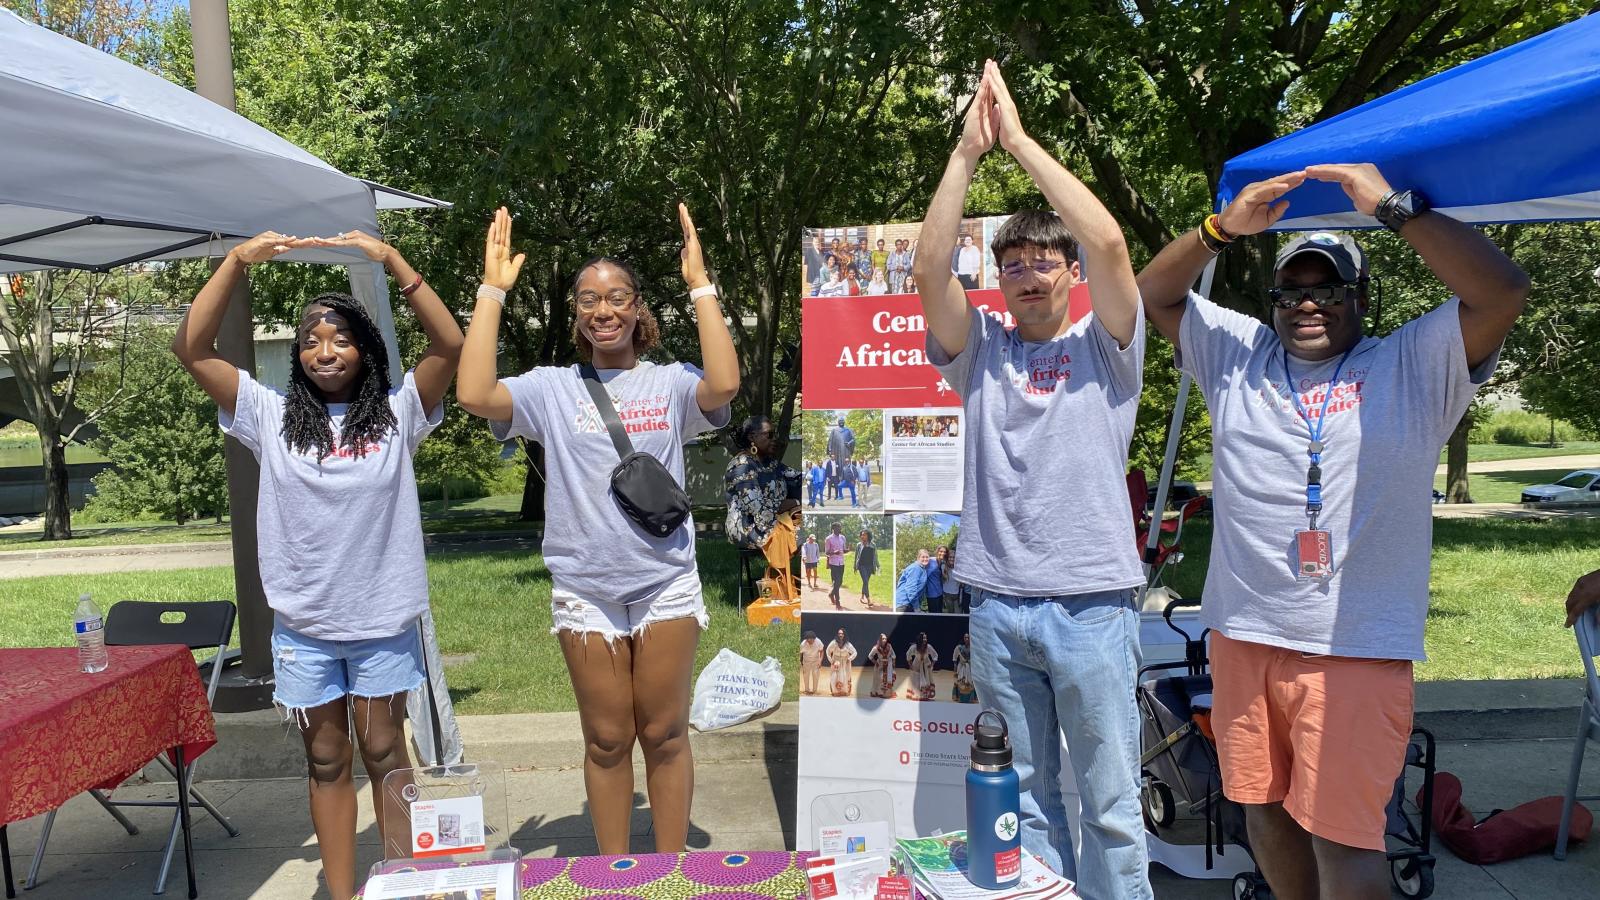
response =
{"points": [[757, 483]]}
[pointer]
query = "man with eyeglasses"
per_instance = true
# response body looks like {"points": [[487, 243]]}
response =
{"points": [[1324, 447], [1047, 543]]}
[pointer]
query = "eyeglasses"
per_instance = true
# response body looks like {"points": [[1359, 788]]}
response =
{"points": [[620, 301], [1323, 295], [1016, 268]]}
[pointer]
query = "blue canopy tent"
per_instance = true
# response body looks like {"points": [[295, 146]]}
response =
{"points": [[1509, 137]]}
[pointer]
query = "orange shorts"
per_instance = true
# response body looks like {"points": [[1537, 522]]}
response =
{"points": [[1324, 735]]}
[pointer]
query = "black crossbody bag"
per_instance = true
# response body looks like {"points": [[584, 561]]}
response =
{"points": [[645, 490]]}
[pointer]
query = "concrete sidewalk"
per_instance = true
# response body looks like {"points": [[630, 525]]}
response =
{"points": [[1509, 742], [745, 805]]}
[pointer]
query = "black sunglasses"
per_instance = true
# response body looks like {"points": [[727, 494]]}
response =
{"points": [[1323, 295]]}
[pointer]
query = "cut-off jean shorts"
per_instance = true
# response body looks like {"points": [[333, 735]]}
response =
{"points": [[611, 620], [311, 671]]}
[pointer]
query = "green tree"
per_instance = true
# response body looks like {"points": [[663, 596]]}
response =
{"points": [[56, 326], [163, 439], [916, 531], [1554, 353]]}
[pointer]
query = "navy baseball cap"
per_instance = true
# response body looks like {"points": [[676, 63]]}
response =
{"points": [[1339, 249]]}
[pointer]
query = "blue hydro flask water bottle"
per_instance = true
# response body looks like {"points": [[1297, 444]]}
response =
{"points": [[994, 802]]}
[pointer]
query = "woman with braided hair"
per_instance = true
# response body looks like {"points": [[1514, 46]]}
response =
{"points": [[338, 524], [625, 603]]}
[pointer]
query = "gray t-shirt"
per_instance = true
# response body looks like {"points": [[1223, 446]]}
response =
{"points": [[1044, 509], [594, 551], [340, 541], [1395, 404]]}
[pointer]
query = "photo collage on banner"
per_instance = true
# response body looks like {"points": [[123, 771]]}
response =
{"points": [[886, 662]]}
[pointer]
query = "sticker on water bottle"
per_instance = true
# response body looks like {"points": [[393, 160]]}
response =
{"points": [[1008, 864], [88, 625], [1005, 827]]}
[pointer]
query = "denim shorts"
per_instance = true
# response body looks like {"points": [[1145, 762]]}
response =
{"points": [[681, 599], [312, 671]]}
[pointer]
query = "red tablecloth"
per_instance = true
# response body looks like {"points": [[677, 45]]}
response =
{"points": [[63, 731]]}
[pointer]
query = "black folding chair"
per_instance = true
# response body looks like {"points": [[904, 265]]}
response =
{"points": [[200, 625]]}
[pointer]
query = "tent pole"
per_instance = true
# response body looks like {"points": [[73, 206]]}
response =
{"points": [[369, 283], [1169, 462], [251, 686]]}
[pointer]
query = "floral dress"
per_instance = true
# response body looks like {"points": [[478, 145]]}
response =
{"points": [[883, 659], [840, 658], [963, 691], [920, 662], [756, 488]]}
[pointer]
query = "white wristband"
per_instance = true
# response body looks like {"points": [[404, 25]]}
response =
{"points": [[489, 291], [709, 290]]}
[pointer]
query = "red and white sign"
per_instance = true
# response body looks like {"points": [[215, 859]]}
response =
{"points": [[871, 352]]}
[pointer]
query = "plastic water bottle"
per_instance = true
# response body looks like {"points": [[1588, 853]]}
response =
{"points": [[91, 632], [994, 808]]}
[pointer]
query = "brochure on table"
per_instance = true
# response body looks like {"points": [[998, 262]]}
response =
{"points": [[457, 837]]}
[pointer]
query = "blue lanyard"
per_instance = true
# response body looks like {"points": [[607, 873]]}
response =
{"points": [[1314, 448]]}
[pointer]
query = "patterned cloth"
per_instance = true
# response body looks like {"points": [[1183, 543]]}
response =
{"points": [[756, 488], [705, 875], [63, 732]]}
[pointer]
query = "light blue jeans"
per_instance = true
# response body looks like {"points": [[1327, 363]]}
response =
{"points": [[1068, 665]]}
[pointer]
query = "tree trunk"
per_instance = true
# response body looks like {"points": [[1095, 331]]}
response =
{"points": [[1455, 479], [533, 485], [57, 496], [444, 495]]}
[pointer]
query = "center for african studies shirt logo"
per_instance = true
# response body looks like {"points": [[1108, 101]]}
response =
{"points": [[1005, 827]]}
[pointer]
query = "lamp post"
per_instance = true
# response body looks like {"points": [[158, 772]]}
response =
{"points": [[249, 686]]}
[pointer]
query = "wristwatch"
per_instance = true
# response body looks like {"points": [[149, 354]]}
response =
{"points": [[1399, 207]]}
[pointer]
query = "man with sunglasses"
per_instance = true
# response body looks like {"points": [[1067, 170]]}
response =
{"points": [[1046, 537], [1324, 446]]}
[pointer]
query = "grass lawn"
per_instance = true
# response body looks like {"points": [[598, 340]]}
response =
{"points": [[1475, 453], [1504, 487], [1498, 594], [1498, 591], [1495, 452], [494, 607], [117, 533]]}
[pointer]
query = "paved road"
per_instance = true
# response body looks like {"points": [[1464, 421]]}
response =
{"points": [[1588, 461]]}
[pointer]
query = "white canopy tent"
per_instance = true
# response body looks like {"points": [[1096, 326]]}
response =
{"points": [[103, 164]]}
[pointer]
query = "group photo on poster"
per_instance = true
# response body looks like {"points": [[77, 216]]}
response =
{"points": [[874, 260], [842, 465], [915, 657], [925, 562]]}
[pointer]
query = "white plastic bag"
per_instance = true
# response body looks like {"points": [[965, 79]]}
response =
{"points": [[732, 689]]}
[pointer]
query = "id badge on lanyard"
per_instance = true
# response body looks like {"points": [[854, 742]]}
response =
{"points": [[1313, 546]]}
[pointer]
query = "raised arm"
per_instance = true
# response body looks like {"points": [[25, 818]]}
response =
{"points": [[1114, 295], [438, 363], [1165, 282], [944, 300], [478, 387], [717, 355], [1492, 288], [195, 344]]}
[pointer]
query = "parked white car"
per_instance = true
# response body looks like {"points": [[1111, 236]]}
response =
{"points": [[1583, 484]]}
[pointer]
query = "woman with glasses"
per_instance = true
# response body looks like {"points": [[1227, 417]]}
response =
{"points": [[626, 606]]}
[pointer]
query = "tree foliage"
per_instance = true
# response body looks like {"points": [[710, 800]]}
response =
{"points": [[592, 119], [165, 445]]}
